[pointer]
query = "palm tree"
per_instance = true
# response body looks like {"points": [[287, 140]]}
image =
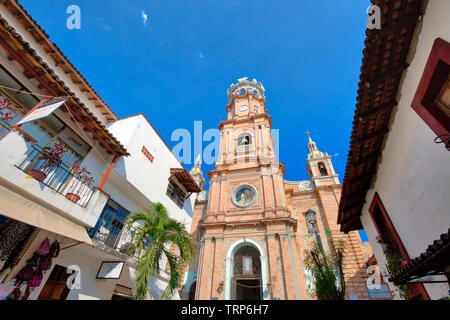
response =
{"points": [[164, 232]]}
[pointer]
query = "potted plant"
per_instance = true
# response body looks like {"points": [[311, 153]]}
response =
{"points": [[82, 180], [7, 110], [394, 263], [51, 157]]}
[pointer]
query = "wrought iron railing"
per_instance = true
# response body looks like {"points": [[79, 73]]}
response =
{"points": [[56, 176], [244, 148], [115, 235]]}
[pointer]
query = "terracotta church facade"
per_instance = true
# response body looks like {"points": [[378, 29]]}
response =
{"points": [[251, 227]]}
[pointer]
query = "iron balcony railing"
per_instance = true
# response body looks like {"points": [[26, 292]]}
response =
{"points": [[114, 234], [56, 176]]}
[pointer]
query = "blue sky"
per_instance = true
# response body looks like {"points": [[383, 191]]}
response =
{"points": [[176, 65]]}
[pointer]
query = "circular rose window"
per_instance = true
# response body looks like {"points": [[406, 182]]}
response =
{"points": [[244, 195]]}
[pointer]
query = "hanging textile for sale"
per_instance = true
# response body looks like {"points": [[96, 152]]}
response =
{"points": [[33, 272], [14, 233]]}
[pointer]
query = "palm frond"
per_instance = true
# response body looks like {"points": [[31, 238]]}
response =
{"points": [[175, 275], [145, 268], [155, 222]]}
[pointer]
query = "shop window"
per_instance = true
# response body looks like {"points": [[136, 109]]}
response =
{"points": [[175, 193], [55, 287], [432, 98], [322, 169]]}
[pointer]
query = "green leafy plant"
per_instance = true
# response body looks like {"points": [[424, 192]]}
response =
{"points": [[164, 231], [394, 263], [326, 270]]}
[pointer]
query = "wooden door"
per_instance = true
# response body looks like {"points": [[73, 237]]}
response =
{"points": [[56, 288]]}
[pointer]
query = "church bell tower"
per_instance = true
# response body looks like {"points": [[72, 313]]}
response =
{"points": [[252, 226], [319, 166], [246, 224]]}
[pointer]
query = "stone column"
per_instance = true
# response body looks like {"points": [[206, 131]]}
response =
{"points": [[221, 157], [289, 269], [218, 271], [275, 274], [206, 270], [257, 141], [268, 195]]}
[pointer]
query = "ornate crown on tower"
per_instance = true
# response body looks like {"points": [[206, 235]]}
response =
{"points": [[244, 86]]}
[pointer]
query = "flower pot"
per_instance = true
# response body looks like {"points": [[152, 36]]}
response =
{"points": [[38, 175], [73, 197]]}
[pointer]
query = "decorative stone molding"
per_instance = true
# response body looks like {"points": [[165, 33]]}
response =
{"points": [[203, 196], [245, 86], [305, 186]]}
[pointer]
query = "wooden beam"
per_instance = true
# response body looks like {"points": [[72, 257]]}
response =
{"points": [[108, 172], [52, 90]]}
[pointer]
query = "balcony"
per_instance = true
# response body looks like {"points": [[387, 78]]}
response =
{"points": [[112, 236], [56, 176], [19, 156], [244, 148]]}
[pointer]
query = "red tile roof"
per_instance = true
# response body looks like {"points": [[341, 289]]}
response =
{"points": [[383, 65]]}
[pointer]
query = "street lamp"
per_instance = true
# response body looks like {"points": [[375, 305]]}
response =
{"points": [[312, 220]]}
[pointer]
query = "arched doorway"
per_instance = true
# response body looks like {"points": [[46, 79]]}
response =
{"points": [[246, 282], [246, 271]]}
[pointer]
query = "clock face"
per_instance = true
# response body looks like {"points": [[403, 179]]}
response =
{"points": [[243, 108]]}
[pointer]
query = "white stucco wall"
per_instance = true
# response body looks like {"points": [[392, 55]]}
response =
{"points": [[150, 178], [413, 177]]}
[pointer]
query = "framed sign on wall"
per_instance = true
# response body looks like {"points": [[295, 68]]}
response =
{"points": [[110, 270]]}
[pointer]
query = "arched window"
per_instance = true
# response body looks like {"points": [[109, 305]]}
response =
{"points": [[244, 139], [322, 169], [256, 109]]}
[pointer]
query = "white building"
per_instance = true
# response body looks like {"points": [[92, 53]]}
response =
{"points": [[129, 163], [397, 179]]}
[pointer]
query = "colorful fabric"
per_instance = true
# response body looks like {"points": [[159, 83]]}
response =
{"points": [[44, 248], [5, 292], [11, 236]]}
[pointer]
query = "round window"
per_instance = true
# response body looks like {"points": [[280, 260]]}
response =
{"points": [[243, 196]]}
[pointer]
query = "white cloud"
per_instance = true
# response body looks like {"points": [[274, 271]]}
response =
{"points": [[336, 154], [201, 55], [144, 17]]}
